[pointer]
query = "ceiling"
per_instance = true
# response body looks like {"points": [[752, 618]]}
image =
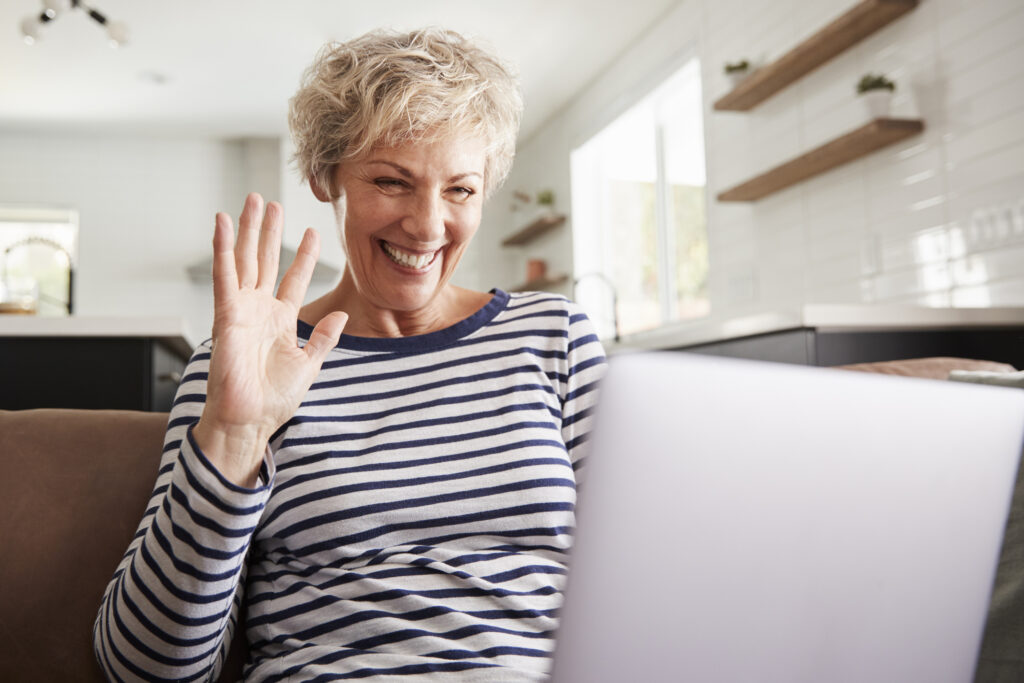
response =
{"points": [[230, 66]]}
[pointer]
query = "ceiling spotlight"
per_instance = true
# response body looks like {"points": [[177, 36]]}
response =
{"points": [[30, 29], [52, 8], [117, 31]]}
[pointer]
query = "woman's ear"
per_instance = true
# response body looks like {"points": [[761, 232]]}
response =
{"points": [[318, 191]]}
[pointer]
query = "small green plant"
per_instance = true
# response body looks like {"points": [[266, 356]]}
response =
{"points": [[737, 67], [871, 82], [546, 198]]}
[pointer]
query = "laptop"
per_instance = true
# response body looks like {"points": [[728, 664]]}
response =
{"points": [[749, 521]]}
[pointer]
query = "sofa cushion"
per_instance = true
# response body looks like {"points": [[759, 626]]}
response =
{"points": [[73, 487], [938, 367]]}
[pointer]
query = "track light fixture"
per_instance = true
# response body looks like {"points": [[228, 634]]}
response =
{"points": [[31, 26]]}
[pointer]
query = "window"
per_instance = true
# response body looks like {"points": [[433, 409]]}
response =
{"points": [[37, 253], [639, 226]]}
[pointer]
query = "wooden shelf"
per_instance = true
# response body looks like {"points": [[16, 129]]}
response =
{"points": [[862, 20], [857, 143], [541, 284], [534, 230]]}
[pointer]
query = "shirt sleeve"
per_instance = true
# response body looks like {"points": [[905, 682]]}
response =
{"points": [[585, 366], [171, 608]]}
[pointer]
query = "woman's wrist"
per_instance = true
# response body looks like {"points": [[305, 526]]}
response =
{"points": [[236, 451]]}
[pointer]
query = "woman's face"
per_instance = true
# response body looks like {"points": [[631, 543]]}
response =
{"points": [[406, 216]]}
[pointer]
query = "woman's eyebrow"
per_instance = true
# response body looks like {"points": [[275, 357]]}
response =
{"points": [[401, 169], [409, 174], [463, 176]]}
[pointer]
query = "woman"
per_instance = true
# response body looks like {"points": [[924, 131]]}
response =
{"points": [[397, 499]]}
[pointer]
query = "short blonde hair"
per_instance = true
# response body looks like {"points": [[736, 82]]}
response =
{"points": [[387, 88]]}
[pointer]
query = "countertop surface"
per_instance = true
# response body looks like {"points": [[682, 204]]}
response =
{"points": [[170, 330], [824, 317]]}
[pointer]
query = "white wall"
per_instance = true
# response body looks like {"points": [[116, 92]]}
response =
{"points": [[935, 220], [146, 208]]}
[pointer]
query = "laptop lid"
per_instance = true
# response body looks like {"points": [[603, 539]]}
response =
{"points": [[746, 521]]}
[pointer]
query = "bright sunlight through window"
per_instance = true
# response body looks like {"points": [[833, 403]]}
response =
{"points": [[638, 196]]}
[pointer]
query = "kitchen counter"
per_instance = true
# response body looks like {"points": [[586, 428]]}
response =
{"points": [[170, 331], [101, 362], [824, 317], [840, 334]]}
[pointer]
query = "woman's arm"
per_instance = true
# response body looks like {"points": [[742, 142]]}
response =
{"points": [[169, 611], [585, 366], [171, 608]]}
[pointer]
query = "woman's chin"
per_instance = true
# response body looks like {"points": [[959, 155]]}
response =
{"points": [[410, 297]]}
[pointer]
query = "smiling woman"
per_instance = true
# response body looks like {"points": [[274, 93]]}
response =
{"points": [[397, 500]]}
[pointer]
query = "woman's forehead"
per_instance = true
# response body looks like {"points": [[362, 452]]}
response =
{"points": [[451, 154]]}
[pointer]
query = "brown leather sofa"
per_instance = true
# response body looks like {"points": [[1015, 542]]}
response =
{"points": [[74, 484], [73, 487]]}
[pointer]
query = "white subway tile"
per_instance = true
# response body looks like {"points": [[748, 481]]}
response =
{"points": [[925, 246], [1004, 293], [986, 44], [905, 201], [927, 278], [836, 190], [1002, 70], [929, 299], [963, 205], [963, 19], [849, 292], [811, 17], [891, 171], [987, 105], [832, 272], [917, 222], [834, 243], [987, 170], [966, 142]]}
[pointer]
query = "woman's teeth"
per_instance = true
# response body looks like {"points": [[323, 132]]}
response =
{"points": [[408, 260]]}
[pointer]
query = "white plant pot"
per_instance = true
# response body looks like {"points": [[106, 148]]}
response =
{"points": [[737, 77], [878, 103]]}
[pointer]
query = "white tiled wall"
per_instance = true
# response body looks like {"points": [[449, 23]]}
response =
{"points": [[930, 220], [937, 219]]}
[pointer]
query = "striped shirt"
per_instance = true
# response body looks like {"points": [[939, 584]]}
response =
{"points": [[413, 517]]}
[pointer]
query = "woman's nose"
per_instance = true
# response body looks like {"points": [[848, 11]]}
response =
{"points": [[426, 220]]}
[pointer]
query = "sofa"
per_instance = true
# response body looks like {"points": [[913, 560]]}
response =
{"points": [[74, 484], [73, 487]]}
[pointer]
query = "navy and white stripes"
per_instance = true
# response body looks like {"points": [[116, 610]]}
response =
{"points": [[413, 518]]}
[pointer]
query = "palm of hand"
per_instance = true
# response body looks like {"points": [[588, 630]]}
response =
{"points": [[258, 374]]}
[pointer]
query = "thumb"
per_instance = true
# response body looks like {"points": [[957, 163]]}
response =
{"points": [[325, 336]]}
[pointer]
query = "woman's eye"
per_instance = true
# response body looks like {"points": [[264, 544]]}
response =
{"points": [[389, 183], [463, 191]]}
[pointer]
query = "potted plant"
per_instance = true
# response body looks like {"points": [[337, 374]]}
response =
{"points": [[876, 90], [737, 71], [546, 202]]}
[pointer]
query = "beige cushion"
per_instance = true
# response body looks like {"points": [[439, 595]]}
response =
{"points": [[932, 368]]}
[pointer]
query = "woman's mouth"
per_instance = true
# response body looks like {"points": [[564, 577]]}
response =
{"points": [[407, 259]]}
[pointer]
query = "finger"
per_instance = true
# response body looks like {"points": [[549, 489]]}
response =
{"points": [[296, 280], [225, 279], [248, 238], [270, 247], [325, 337]]}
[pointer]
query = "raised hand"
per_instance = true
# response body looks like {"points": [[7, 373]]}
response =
{"points": [[258, 374]]}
